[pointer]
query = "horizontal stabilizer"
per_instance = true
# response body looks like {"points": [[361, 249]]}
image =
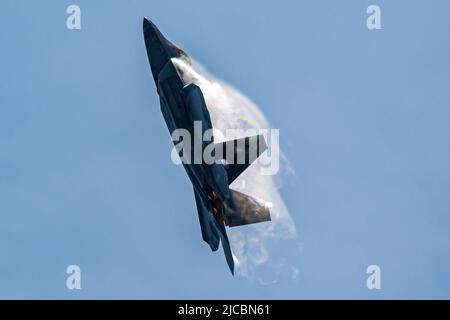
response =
{"points": [[238, 154], [242, 209]]}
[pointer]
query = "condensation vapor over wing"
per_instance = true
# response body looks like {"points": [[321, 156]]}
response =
{"points": [[255, 246]]}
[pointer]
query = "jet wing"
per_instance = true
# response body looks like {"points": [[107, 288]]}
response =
{"points": [[239, 154]]}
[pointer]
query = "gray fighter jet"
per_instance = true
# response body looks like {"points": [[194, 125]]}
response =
{"points": [[182, 104]]}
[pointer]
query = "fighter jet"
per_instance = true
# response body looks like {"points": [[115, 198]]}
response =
{"points": [[183, 105]]}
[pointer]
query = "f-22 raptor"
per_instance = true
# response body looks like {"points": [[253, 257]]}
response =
{"points": [[182, 104]]}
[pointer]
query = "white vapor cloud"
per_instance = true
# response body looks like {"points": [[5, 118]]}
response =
{"points": [[256, 247]]}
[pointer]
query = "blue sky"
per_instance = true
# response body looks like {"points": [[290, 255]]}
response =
{"points": [[85, 170]]}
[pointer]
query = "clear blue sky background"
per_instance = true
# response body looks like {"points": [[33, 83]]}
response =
{"points": [[85, 173]]}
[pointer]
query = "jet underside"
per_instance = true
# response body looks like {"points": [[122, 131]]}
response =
{"points": [[182, 104]]}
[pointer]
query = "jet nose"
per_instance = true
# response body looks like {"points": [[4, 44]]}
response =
{"points": [[147, 21], [154, 38], [150, 30], [159, 49], [152, 33]]}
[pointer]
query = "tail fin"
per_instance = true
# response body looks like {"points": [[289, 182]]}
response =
{"points": [[203, 215], [242, 209], [239, 154], [227, 251], [225, 244]]}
